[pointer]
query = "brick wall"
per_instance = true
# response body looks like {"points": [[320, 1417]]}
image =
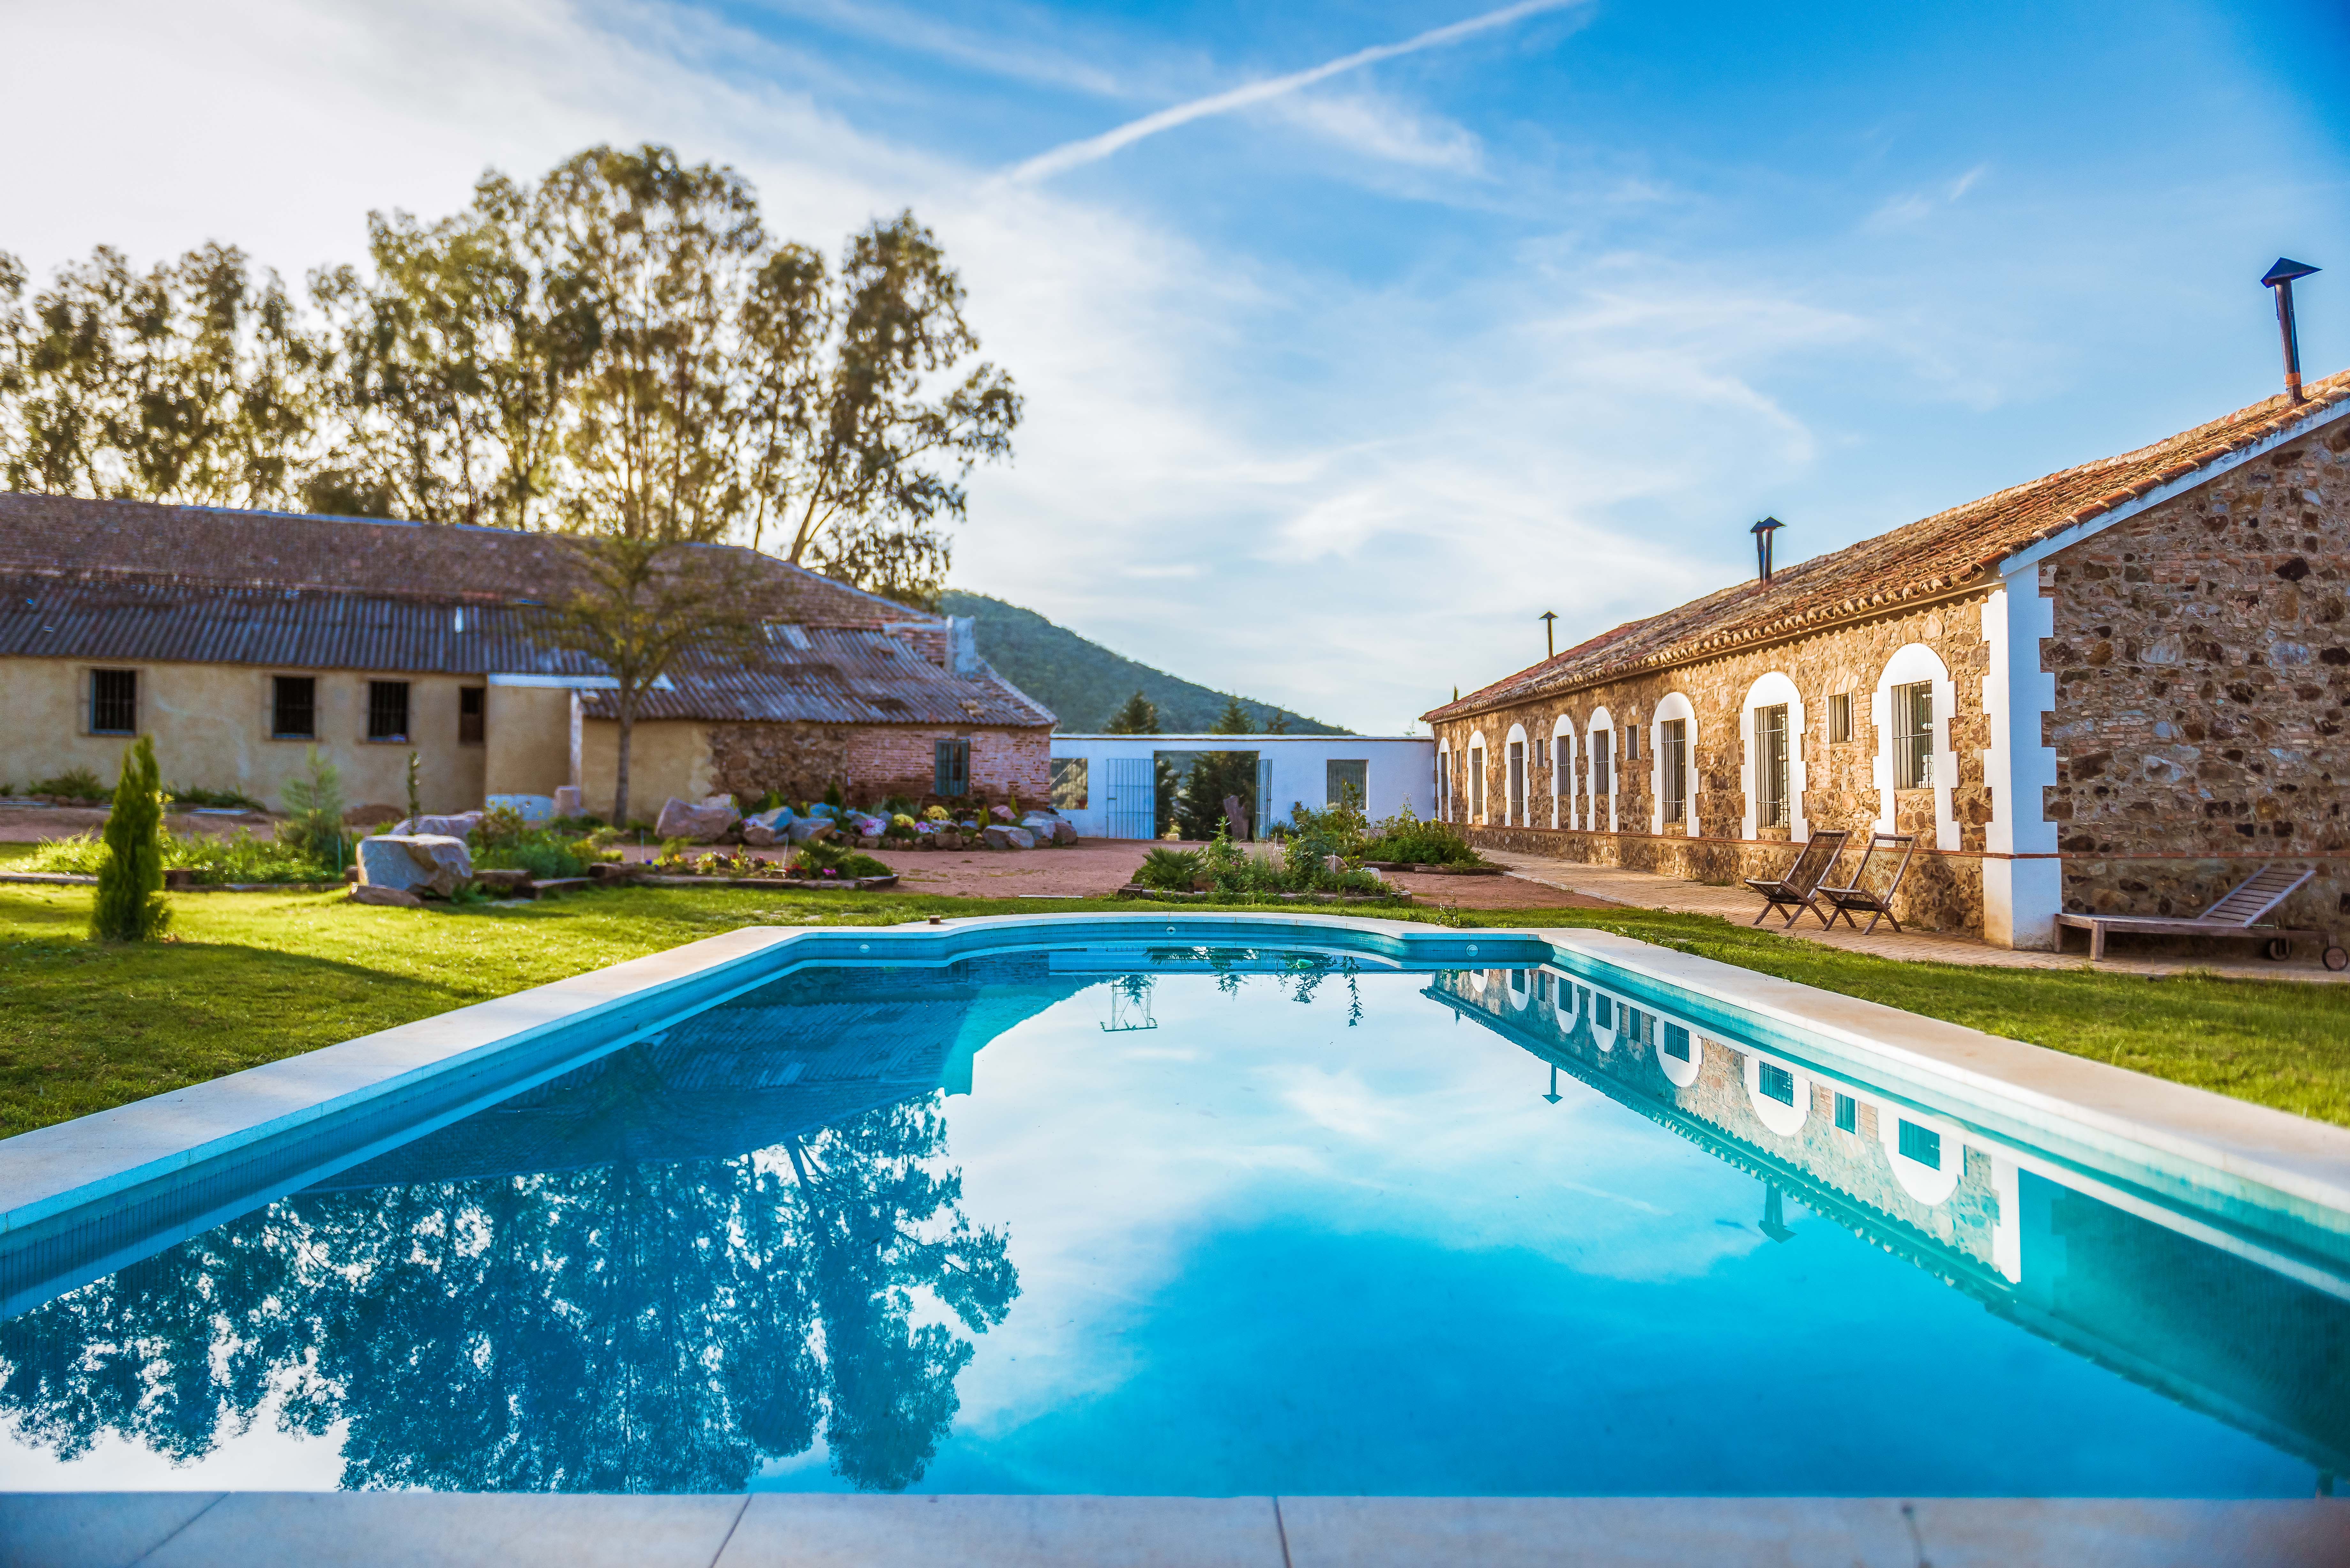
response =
{"points": [[1942, 891], [871, 761], [2202, 658]]}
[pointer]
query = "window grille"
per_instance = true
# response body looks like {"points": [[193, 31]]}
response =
{"points": [[1913, 735], [1603, 1010], [1517, 755], [1631, 742], [387, 710], [1922, 1145], [1443, 786], [1777, 1082], [470, 719], [1476, 783], [1847, 1113], [1601, 785], [1562, 776], [1677, 1042], [1771, 766], [1069, 775], [113, 702], [950, 769], [1840, 716], [1518, 983], [294, 707], [1674, 759], [1342, 778]]}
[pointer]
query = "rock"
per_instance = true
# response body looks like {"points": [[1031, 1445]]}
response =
{"points": [[926, 841], [456, 827], [757, 836], [612, 873], [1333, 864], [567, 801], [703, 823], [415, 862], [394, 898], [1002, 838], [868, 841], [806, 829], [1063, 833], [999, 812], [949, 840], [509, 882]]}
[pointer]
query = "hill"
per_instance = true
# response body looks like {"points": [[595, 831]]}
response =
{"points": [[1086, 683]]}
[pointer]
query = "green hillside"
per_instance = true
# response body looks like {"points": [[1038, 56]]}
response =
{"points": [[1084, 683]]}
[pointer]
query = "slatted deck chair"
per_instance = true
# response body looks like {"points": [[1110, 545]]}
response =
{"points": [[1797, 890], [1861, 896], [2235, 914]]}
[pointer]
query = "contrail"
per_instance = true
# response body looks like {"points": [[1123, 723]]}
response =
{"points": [[1069, 155]]}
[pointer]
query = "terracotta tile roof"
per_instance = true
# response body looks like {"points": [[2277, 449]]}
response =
{"points": [[1939, 555], [66, 537]]}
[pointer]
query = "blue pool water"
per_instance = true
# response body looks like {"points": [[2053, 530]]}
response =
{"points": [[1201, 1222]]}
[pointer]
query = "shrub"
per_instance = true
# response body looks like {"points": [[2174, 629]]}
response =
{"points": [[314, 808], [1405, 837], [501, 825], [183, 795], [817, 857], [75, 784], [130, 907], [212, 861], [1171, 870]]}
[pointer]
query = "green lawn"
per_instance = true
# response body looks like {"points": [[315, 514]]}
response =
{"points": [[248, 978]]}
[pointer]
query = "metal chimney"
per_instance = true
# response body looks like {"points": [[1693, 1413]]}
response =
{"points": [[1761, 532], [2279, 281]]}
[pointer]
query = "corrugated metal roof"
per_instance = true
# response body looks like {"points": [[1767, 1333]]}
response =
{"points": [[833, 675]]}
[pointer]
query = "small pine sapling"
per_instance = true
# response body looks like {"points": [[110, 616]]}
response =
{"points": [[415, 795], [130, 907]]}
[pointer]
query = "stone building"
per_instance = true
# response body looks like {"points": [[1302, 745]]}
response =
{"points": [[2118, 688], [239, 641]]}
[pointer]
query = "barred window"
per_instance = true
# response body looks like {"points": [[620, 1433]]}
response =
{"points": [[1674, 757], [1847, 1113], [1922, 1145], [471, 715], [1777, 1082], [1840, 716], [950, 769], [1600, 786], [387, 710], [1069, 779], [1517, 755], [1677, 1042], [1913, 735], [1771, 766], [1343, 777], [113, 702], [294, 707]]}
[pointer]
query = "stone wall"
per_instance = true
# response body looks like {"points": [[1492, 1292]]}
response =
{"points": [[1838, 783], [2203, 662], [872, 762]]}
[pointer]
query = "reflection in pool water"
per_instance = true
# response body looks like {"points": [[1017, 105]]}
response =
{"points": [[1278, 1226]]}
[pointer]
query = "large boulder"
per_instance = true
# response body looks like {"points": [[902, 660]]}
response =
{"points": [[703, 823], [434, 863], [765, 828], [804, 828], [396, 898], [452, 826], [1001, 838], [1063, 832]]}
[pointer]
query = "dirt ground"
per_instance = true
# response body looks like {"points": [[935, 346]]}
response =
{"points": [[31, 824]]}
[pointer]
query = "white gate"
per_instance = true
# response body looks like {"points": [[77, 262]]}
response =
{"points": [[1130, 804]]}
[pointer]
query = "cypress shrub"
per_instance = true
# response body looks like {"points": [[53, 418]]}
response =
{"points": [[130, 907]]}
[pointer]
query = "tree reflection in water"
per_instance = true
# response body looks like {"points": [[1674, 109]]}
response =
{"points": [[633, 1326]]}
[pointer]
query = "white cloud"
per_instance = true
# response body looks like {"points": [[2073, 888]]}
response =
{"points": [[1379, 126]]}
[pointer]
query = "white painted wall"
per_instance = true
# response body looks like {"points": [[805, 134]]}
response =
{"points": [[2022, 880], [1403, 768]]}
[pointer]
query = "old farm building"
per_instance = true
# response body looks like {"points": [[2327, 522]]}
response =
{"points": [[2118, 689], [241, 639]]}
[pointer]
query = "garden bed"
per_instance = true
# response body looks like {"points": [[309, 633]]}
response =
{"points": [[1432, 870], [1164, 895], [786, 883]]}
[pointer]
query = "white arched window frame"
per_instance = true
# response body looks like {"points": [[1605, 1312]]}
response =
{"points": [[1515, 812], [1911, 663], [1473, 802], [1674, 706], [1600, 805], [1771, 690], [1562, 772], [1444, 780]]}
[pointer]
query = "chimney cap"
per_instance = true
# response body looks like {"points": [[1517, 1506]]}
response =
{"points": [[2285, 271], [1767, 525]]}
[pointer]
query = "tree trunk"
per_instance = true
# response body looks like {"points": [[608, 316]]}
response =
{"points": [[621, 759]]}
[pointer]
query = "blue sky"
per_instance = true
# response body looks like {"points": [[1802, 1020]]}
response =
{"points": [[1334, 385]]}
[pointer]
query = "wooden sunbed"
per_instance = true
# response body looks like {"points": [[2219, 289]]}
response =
{"points": [[1859, 896], [2235, 914], [1796, 891]]}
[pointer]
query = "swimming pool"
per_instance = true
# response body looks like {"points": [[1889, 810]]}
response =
{"points": [[1165, 1212]]}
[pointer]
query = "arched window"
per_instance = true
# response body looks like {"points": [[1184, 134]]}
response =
{"points": [[1771, 729], [1912, 707], [1562, 772], [1599, 774], [1672, 766], [1477, 778]]}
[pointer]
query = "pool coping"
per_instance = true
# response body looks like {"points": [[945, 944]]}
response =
{"points": [[104, 1161]]}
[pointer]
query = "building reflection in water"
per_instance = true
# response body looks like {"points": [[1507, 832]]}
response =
{"points": [[2254, 1330], [695, 1255]]}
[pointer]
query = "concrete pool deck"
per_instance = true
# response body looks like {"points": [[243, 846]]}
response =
{"points": [[775, 1530]]}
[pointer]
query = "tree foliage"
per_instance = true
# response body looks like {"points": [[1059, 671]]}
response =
{"points": [[130, 906], [1138, 717], [620, 347]]}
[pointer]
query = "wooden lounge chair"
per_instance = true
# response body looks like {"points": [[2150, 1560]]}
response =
{"points": [[1799, 886], [2234, 915], [1859, 896]]}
